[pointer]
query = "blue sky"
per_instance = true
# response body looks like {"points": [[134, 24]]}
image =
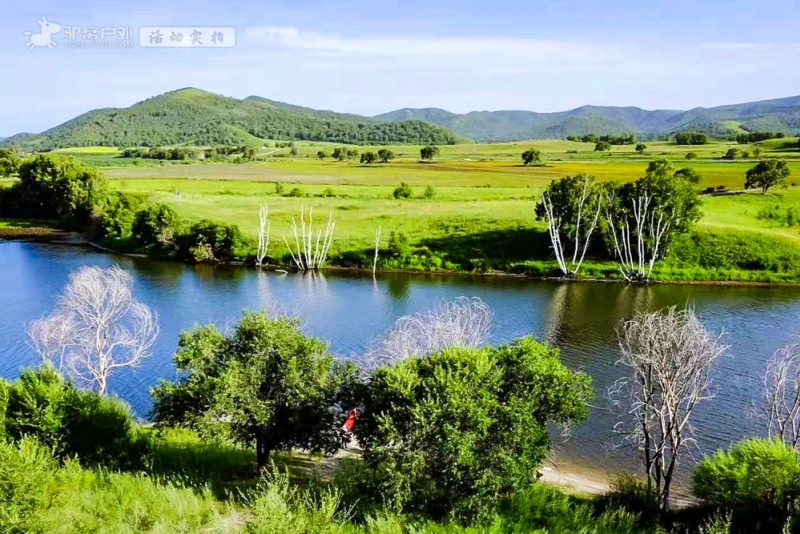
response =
{"points": [[372, 57]]}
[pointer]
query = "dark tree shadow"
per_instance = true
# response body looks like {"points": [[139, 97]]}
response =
{"points": [[494, 247]]}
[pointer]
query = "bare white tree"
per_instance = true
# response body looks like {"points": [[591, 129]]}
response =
{"points": [[638, 241], [463, 322], [377, 244], [586, 219], [311, 254], [263, 235], [669, 355], [97, 327], [781, 407]]}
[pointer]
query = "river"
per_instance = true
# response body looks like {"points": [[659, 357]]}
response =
{"points": [[349, 311]]}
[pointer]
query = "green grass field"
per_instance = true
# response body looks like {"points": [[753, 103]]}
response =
{"points": [[483, 195]]}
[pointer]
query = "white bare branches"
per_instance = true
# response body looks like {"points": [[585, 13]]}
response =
{"points": [[263, 235], [311, 254], [669, 355], [781, 408], [463, 322], [639, 242], [377, 244], [582, 236], [97, 327]]}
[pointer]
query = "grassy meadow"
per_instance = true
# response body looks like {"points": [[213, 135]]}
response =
{"points": [[482, 195]]}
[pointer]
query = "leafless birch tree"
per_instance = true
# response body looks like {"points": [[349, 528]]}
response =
{"points": [[96, 328], [310, 253], [781, 403], [668, 355], [377, 244], [263, 234], [463, 322], [571, 207]]}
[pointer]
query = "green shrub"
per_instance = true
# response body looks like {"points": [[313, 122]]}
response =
{"points": [[757, 478], [116, 215], [691, 155], [208, 241], [96, 429], [780, 215], [429, 193], [399, 247], [632, 495], [156, 225], [450, 434], [279, 188], [404, 191]]}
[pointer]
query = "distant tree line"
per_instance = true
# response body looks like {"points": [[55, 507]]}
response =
{"points": [[624, 139], [691, 138], [754, 137]]}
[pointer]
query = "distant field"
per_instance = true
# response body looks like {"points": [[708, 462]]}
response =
{"points": [[478, 188]]}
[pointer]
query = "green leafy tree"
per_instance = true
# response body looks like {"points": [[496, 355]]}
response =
{"points": [[531, 157], [429, 193], [322, 155], [589, 138], [602, 146], [732, 153], [403, 191], [351, 153], [9, 161], [428, 152], [340, 154], [385, 155], [640, 148], [691, 155], [368, 158], [768, 173], [265, 386], [451, 434], [758, 478], [58, 187]]}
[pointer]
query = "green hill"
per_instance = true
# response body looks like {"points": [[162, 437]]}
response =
{"points": [[779, 115], [195, 117]]}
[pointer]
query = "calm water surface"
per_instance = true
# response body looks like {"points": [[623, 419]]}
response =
{"points": [[349, 311]]}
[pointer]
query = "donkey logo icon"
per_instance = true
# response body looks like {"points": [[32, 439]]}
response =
{"points": [[45, 36]]}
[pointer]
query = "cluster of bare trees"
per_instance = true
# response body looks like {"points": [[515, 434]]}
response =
{"points": [[310, 250], [637, 220], [309, 253], [96, 328], [669, 356], [464, 322]]}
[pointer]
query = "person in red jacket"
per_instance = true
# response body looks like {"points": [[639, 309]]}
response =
{"points": [[348, 427]]}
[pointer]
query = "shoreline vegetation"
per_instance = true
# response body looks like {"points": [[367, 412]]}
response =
{"points": [[30, 232]]}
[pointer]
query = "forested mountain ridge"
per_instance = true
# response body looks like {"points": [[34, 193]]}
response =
{"points": [[778, 115], [195, 117]]}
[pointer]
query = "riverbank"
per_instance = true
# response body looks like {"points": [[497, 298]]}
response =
{"points": [[542, 270]]}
